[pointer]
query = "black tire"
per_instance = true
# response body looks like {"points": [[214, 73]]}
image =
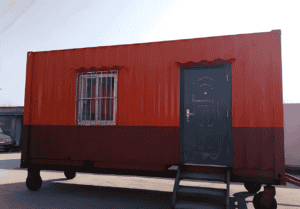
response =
{"points": [[33, 181], [252, 187], [70, 174], [257, 205]]}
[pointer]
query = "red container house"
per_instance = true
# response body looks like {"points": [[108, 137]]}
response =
{"points": [[144, 107]]}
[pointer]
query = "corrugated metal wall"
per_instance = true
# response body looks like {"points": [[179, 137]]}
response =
{"points": [[149, 96], [148, 87], [292, 134]]}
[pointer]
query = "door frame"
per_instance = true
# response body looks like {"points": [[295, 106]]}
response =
{"points": [[228, 68]]}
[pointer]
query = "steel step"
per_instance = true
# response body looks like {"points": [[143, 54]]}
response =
{"points": [[214, 193], [203, 176], [189, 197], [194, 205]]}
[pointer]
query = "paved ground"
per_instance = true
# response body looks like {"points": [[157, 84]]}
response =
{"points": [[110, 191]]}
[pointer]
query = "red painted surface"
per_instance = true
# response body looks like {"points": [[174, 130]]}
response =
{"points": [[119, 147], [149, 96]]}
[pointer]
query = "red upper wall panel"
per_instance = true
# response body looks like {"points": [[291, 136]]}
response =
{"points": [[149, 79]]}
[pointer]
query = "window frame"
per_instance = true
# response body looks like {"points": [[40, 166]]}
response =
{"points": [[80, 83]]}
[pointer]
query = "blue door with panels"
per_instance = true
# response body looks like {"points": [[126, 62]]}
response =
{"points": [[205, 115]]}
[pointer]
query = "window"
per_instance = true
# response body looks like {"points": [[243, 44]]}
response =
{"points": [[97, 98]]}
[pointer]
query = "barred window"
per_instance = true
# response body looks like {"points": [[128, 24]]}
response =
{"points": [[97, 98]]}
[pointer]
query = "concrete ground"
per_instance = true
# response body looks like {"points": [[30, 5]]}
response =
{"points": [[111, 191]]}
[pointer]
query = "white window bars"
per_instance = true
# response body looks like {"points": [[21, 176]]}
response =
{"points": [[97, 98]]}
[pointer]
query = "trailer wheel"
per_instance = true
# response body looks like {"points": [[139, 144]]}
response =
{"points": [[70, 174], [34, 180], [258, 205], [252, 187]]}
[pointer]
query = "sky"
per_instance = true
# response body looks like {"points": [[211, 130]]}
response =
{"points": [[42, 25]]}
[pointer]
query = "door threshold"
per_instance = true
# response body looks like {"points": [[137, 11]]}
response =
{"points": [[206, 165]]}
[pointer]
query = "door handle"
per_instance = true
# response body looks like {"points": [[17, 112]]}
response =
{"points": [[188, 115]]}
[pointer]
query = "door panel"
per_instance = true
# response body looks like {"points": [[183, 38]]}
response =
{"points": [[206, 109]]}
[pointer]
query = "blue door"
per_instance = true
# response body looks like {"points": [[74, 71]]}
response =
{"points": [[205, 115]]}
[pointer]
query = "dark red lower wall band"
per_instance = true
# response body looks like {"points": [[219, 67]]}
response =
{"points": [[256, 150]]}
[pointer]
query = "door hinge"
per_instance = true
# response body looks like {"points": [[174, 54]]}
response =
{"points": [[227, 76]]}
